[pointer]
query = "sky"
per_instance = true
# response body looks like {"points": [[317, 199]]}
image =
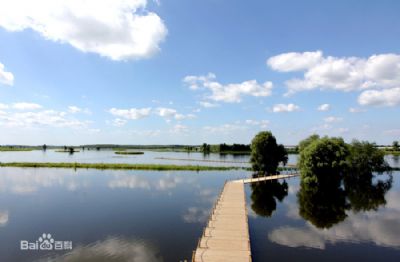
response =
{"points": [[187, 72]]}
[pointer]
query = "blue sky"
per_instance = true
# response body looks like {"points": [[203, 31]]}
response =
{"points": [[188, 72]]}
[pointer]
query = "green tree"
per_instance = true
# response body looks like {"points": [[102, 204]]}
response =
{"points": [[323, 158], [395, 146], [205, 148], [304, 143], [266, 154], [365, 158]]}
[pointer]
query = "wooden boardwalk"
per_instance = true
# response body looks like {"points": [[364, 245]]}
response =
{"points": [[226, 235]]}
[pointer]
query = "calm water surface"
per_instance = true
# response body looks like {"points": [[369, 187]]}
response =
{"points": [[108, 215], [108, 156], [363, 226], [159, 216]]}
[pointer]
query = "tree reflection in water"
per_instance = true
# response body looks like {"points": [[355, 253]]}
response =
{"points": [[364, 194], [324, 202], [264, 195]]}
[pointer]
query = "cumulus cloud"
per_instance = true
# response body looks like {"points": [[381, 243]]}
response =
{"points": [[117, 29], [332, 119], [26, 106], [132, 114], [6, 78], [229, 93], [294, 61], [41, 118], [386, 97], [324, 107], [118, 122], [3, 106], [279, 108], [208, 104], [261, 123], [169, 113], [338, 73], [75, 109]]}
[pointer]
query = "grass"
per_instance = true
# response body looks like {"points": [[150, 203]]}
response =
{"points": [[392, 152], [4, 149], [129, 153], [117, 166]]}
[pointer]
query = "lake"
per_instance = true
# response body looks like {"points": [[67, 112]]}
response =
{"points": [[115, 215]]}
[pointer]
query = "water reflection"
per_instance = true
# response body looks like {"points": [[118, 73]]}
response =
{"points": [[196, 215], [112, 249], [264, 196], [346, 211], [382, 229], [363, 194], [322, 204], [3, 217]]}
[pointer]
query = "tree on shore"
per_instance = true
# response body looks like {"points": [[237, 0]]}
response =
{"points": [[266, 154], [205, 148], [395, 146]]}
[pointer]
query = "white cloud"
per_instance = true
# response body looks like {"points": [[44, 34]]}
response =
{"points": [[166, 112], [324, 127], [229, 93], [324, 107], [179, 129], [208, 104], [182, 116], [6, 78], [3, 106], [132, 114], [225, 128], [293, 61], [261, 123], [41, 118], [338, 73], [75, 109], [172, 113], [118, 122], [356, 110], [26, 106], [279, 108], [387, 97], [117, 29], [333, 119]]}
